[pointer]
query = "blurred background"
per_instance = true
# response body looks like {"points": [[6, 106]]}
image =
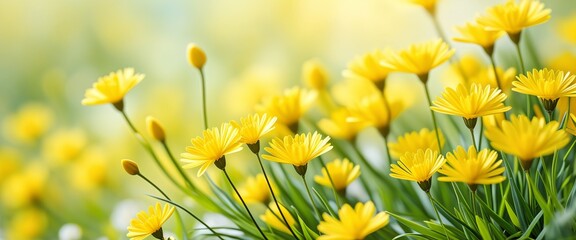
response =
{"points": [[60, 173]]}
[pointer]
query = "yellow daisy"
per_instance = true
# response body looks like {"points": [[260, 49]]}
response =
{"points": [[255, 190], [412, 141], [549, 85], [112, 88], [289, 107], [368, 66], [472, 167], [418, 166], [475, 33], [211, 148], [512, 17], [486, 77], [315, 75], [527, 139], [338, 126], [272, 218], [146, 224], [254, 127], [373, 111], [429, 5], [354, 223], [343, 172], [419, 58], [471, 103], [297, 150]]}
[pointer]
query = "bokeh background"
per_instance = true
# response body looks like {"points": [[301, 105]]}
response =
{"points": [[60, 174]]}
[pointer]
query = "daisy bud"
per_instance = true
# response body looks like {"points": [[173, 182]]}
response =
{"points": [[196, 56], [130, 167], [314, 74], [155, 129]]}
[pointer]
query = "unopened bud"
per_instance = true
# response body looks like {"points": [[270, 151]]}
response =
{"points": [[130, 167], [196, 56], [155, 129], [314, 74]]}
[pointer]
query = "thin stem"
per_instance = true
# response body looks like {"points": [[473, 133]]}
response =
{"points": [[180, 170], [310, 196], [517, 45], [437, 214], [274, 196], [454, 60], [473, 201], [473, 138], [433, 117], [205, 113], [496, 77], [244, 203], [388, 151]]}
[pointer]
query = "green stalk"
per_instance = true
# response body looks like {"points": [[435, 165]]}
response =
{"points": [[310, 196], [437, 214], [244, 203], [180, 170], [433, 116], [204, 111]]}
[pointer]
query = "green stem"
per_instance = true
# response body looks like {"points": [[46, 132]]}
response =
{"points": [[274, 196], [310, 196], [481, 133], [148, 148], [388, 151], [180, 170], [517, 45], [433, 117], [244, 203], [473, 201], [473, 138], [205, 113], [437, 214], [454, 59], [496, 77]]}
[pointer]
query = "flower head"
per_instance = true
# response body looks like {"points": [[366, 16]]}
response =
{"points": [[547, 84], [475, 33], [196, 56], [412, 141], [211, 147], [29, 123], [472, 102], [297, 150], [314, 74], [418, 166], [472, 167], [155, 129], [338, 126], [486, 77], [419, 58], [353, 223], [112, 88], [527, 139], [289, 107], [253, 127], [342, 172], [149, 223], [368, 66], [255, 190], [272, 217], [512, 17]]}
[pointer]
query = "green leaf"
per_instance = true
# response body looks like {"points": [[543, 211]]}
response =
{"points": [[417, 227], [532, 225], [512, 215], [483, 229], [543, 204]]}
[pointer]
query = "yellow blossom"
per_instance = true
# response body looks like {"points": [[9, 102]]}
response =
{"points": [[368, 66], [338, 126], [419, 58], [563, 105], [112, 88], [29, 123], [130, 167], [546, 83], [297, 150], [213, 145], [564, 62], [372, 111], [418, 166], [486, 77], [352, 223], [10, 160], [255, 190], [90, 171], [155, 129], [565, 29], [25, 187], [472, 167], [289, 107], [512, 17], [273, 218], [342, 172], [314, 74], [527, 139], [64, 145], [196, 56], [475, 33], [149, 223], [254, 127], [29, 223], [412, 141]]}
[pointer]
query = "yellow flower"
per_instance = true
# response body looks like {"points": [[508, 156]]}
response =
{"points": [[10, 160], [29, 123], [472, 167], [338, 126], [429, 5], [527, 139], [273, 218], [155, 129], [475, 33], [29, 223], [343, 172], [112, 88], [563, 62], [563, 105], [368, 66], [90, 171], [289, 107], [64, 145], [354, 223], [494, 120], [547, 84], [486, 77], [372, 111], [512, 17], [297, 150], [255, 190], [314, 75], [419, 58], [196, 56], [418, 166], [412, 141], [214, 144], [149, 223], [25, 187], [571, 129], [566, 27], [471, 103], [253, 127]]}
